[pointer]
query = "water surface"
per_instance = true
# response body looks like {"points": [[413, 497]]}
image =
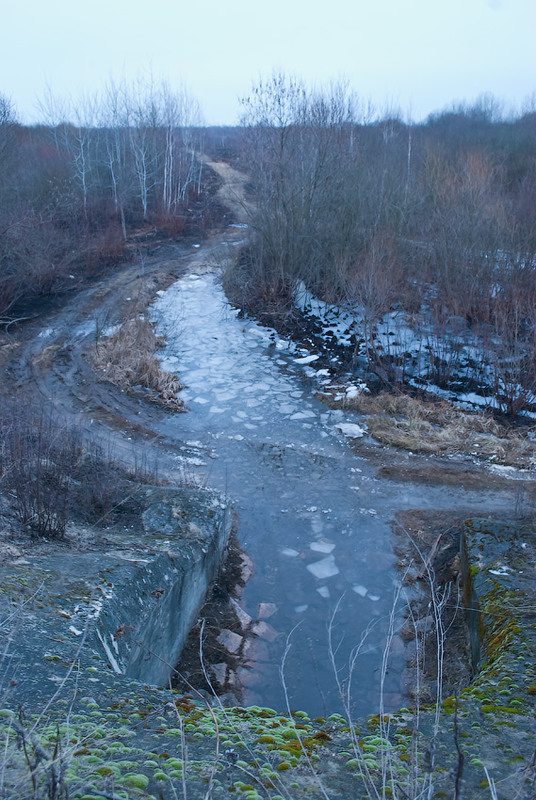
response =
{"points": [[312, 515]]}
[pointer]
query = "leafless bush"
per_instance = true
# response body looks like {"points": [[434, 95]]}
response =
{"points": [[52, 470], [37, 460]]}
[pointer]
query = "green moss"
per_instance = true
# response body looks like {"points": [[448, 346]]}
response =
{"points": [[289, 733], [136, 780]]}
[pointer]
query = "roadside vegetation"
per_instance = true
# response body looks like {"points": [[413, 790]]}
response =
{"points": [[97, 180], [431, 222], [436, 427], [54, 471], [128, 358]]}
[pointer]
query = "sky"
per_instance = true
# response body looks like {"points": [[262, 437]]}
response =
{"points": [[415, 56]]}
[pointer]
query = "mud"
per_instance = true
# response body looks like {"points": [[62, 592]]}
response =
{"points": [[476, 479]]}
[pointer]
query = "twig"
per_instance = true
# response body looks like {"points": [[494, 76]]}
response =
{"points": [[8, 322], [431, 555], [459, 768]]}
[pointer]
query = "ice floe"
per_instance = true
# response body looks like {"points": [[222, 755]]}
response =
{"points": [[322, 546], [266, 610], [289, 551], [229, 640], [305, 414], [325, 568], [265, 631], [306, 359]]}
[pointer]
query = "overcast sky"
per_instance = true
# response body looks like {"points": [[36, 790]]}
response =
{"points": [[417, 55]]}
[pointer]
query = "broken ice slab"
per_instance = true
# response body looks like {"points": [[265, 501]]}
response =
{"points": [[322, 546], [265, 631], [301, 609], [261, 386], [229, 640], [221, 397], [289, 551], [323, 591], [243, 617], [354, 391], [201, 400], [350, 429], [325, 568], [219, 672], [266, 610], [359, 589], [306, 359], [317, 526], [256, 650], [373, 597], [306, 414], [247, 567]]}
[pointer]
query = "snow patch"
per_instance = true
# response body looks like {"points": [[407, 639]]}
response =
{"points": [[350, 429]]}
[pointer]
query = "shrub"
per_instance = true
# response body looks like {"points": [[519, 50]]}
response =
{"points": [[36, 462]]}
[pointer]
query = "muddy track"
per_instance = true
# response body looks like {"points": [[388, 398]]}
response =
{"points": [[52, 357]]}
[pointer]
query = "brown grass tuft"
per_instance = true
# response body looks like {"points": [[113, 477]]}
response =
{"points": [[128, 359], [439, 428]]}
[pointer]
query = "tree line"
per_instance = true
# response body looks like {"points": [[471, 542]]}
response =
{"points": [[437, 219], [73, 189]]}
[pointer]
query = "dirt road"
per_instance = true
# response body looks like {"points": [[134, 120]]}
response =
{"points": [[51, 357]]}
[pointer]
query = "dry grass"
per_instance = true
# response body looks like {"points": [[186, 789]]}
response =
{"points": [[441, 429], [128, 359]]}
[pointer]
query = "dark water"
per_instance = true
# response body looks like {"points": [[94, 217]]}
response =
{"points": [[312, 516]]}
